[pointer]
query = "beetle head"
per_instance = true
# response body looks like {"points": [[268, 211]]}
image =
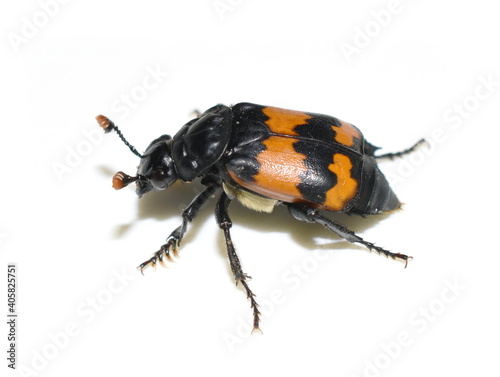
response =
{"points": [[156, 170]]}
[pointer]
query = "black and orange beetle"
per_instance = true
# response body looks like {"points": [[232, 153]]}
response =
{"points": [[264, 156]]}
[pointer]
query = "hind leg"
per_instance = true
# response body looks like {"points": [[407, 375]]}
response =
{"points": [[401, 153], [311, 215]]}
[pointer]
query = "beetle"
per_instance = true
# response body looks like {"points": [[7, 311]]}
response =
{"points": [[264, 156]]}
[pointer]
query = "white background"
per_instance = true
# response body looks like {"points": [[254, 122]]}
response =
{"points": [[398, 70]]}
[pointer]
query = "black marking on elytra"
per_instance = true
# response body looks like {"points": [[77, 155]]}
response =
{"points": [[317, 179], [318, 128]]}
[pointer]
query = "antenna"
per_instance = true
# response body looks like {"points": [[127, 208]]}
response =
{"points": [[108, 126]]}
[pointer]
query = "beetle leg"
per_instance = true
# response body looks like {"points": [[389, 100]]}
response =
{"points": [[175, 238], [311, 215], [401, 153], [225, 224]]}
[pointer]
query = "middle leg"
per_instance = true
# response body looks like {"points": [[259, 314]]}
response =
{"points": [[225, 224]]}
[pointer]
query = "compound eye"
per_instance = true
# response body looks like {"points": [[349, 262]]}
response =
{"points": [[159, 178]]}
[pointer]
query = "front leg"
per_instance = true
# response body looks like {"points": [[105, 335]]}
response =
{"points": [[175, 238], [225, 224]]}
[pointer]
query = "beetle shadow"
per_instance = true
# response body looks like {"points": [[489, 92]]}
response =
{"points": [[160, 205], [170, 203], [308, 235]]}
